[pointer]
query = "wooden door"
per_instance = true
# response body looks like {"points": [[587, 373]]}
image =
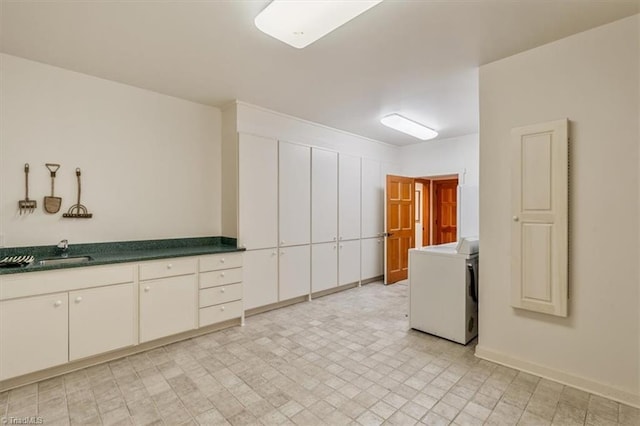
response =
{"points": [[445, 224], [400, 230], [539, 227]]}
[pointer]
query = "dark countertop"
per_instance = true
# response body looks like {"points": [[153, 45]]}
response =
{"points": [[119, 252]]}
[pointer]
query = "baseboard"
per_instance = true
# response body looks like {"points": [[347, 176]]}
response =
{"points": [[559, 376], [277, 305]]}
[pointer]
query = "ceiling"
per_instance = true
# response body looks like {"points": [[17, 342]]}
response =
{"points": [[416, 57]]}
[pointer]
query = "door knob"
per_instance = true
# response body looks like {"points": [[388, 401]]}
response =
{"points": [[516, 218]]}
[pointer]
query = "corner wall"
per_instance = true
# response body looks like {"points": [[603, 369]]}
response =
{"points": [[591, 78], [150, 162]]}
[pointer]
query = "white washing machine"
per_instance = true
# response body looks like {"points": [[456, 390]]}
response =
{"points": [[443, 290]]}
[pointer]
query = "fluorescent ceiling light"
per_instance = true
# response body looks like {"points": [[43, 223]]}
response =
{"points": [[301, 22], [410, 127]]}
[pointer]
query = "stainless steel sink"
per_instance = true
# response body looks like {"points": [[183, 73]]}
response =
{"points": [[63, 260]]}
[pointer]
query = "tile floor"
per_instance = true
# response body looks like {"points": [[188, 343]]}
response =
{"points": [[347, 358]]}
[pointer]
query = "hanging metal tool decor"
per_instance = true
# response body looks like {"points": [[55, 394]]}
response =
{"points": [[27, 206], [78, 210], [51, 203]]}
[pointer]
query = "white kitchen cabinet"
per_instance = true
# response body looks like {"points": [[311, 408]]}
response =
{"points": [[294, 272], [324, 196], [167, 306], [33, 334], [257, 192], [348, 197], [260, 278], [294, 183], [372, 263], [348, 262], [101, 319], [372, 199], [324, 266]]}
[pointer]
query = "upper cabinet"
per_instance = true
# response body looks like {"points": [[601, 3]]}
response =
{"points": [[257, 192], [295, 194], [372, 199], [348, 197], [324, 193]]}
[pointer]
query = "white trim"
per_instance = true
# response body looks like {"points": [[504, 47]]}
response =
{"points": [[588, 385]]}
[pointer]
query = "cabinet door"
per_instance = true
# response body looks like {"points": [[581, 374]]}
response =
{"points": [[348, 262], [372, 263], [295, 194], [167, 306], [324, 266], [295, 272], [260, 278], [372, 199], [349, 197], [33, 334], [324, 196], [100, 320], [257, 192]]}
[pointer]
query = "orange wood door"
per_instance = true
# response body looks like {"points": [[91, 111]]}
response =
{"points": [[445, 211], [399, 227]]}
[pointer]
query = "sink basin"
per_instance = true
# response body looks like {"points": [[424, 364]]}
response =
{"points": [[63, 260]]}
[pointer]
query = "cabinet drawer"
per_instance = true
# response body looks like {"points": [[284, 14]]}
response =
{"points": [[223, 277], [220, 261], [219, 313], [167, 268], [222, 294]]}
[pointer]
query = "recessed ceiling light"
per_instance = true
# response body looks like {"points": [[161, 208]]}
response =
{"points": [[410, 127], [300, 23]]}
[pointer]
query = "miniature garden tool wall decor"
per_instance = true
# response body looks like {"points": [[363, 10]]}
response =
{"points": [[51, 203], [78, 210], [27, 205]]}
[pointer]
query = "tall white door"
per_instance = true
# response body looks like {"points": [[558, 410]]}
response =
{"points": [[257, 192], [295, 194], [372, 199], [372, 262], [324, 196], [539, 227], [348, 262], [348, 197], [295, 272], [324, 266], [260, 277]]}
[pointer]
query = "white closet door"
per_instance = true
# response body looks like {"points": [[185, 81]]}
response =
{"points": [[539, 227], [258, 192], [348, 262], [324, 266], [295, 271], [372, 199], [295, 194], [324, 196], [372, 262], [348, 197], [260, 278]]}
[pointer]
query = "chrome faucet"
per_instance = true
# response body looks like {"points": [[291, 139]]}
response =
{"points": [[63, 245]]}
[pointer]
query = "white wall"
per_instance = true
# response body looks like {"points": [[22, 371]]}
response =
{"points": [[150, 163], [591, 78], [443, 157]]}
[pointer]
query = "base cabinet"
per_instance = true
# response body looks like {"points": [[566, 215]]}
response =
{"points": [[372, 258], [167, 306], [348, 262], [324, 266], [33, 334], [260, 278], [100, 320], [295, 272]]}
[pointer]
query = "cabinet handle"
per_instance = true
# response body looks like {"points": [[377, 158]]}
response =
{"points": [[340, 238], [57, 303], [78, 299], [222, 308], [222, 274], [169, 266], [282, 242], [273, 253], [222, 290], [147, 288], [334, 246], [334, 238], [341, 245], [222, 260], [516, 218], [282, 252], [243, 246]]}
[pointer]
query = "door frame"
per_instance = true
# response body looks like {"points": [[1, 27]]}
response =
{"points": [[460, 174]]}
